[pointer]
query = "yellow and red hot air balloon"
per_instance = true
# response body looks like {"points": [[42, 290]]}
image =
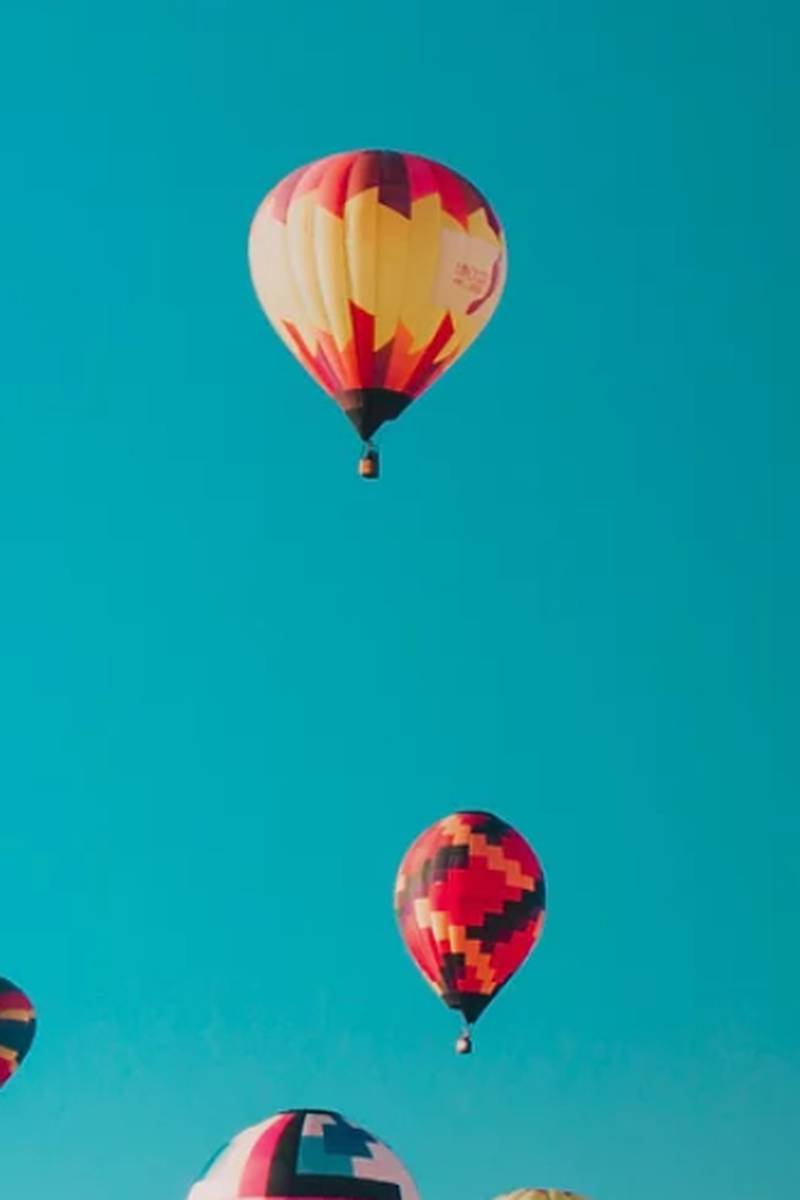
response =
{"points": [[470, 903], [540, 1194], [377, 269]]}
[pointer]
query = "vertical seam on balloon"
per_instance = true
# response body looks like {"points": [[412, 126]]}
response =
{"points": [[437, 267], [405, 253], [348, 266], [348, 274], [317, 271], [342, 381], [463, 244], [406, 259], [457, 892], [439, 256], [293, 273], [425, 939], [407, 266], [429, 940]]}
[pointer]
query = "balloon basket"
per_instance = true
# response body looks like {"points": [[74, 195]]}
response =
{"points": [[464, 1044], [369, 465]]}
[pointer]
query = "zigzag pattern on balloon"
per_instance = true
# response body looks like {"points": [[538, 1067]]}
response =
{"points": [[470, 902]]}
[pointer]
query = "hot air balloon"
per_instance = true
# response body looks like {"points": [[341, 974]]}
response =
{"points": [[539, 1194], [305, 1153], [377, 269], [17, 1028], [469, 899]]}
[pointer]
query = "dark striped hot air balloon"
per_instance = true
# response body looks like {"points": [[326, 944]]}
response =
{"points": [[17, 1028], [377, 269], [470, 900]]}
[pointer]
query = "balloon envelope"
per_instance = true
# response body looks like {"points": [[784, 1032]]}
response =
{"points": [[377, 269], [17, 1028], [309, 1153], [470, 900], [539, 1194]]}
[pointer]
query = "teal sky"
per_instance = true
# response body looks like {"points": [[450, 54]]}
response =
{"points": [[236, 681]]}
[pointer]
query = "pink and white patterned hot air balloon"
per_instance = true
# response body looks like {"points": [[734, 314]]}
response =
{"points": [[304, 1154]]}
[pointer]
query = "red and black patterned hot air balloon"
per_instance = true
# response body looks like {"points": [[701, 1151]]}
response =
{"points": [[17, 1028], [470, 900], [377, 269]]}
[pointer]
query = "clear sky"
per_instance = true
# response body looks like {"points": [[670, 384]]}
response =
{"points": [[236, 681]]}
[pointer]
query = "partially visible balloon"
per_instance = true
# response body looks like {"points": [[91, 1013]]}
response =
{"points": [[377, 269], [17, 1028], [539, 1194], [304, 1153], [470, 902]]}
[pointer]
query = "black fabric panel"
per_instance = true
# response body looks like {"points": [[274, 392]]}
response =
{"points": [[338, 1187], [492, 828], [369, 408], [283, 1167], [17, 1035], [470, 1004], [284, 1179], [516, 914], [394, 190]]}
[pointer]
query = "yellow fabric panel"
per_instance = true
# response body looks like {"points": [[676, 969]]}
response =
{"points": [[302, 260], [479, 227], [458, 939], [465, 270], [466, 330], [273, 278], [514, 875], [469, 325], [420, 316], [331, 266], [449, 222], [458, 829], [392, 270], [403, 359], [539, 1194], [440, 926], [361, 237]]}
